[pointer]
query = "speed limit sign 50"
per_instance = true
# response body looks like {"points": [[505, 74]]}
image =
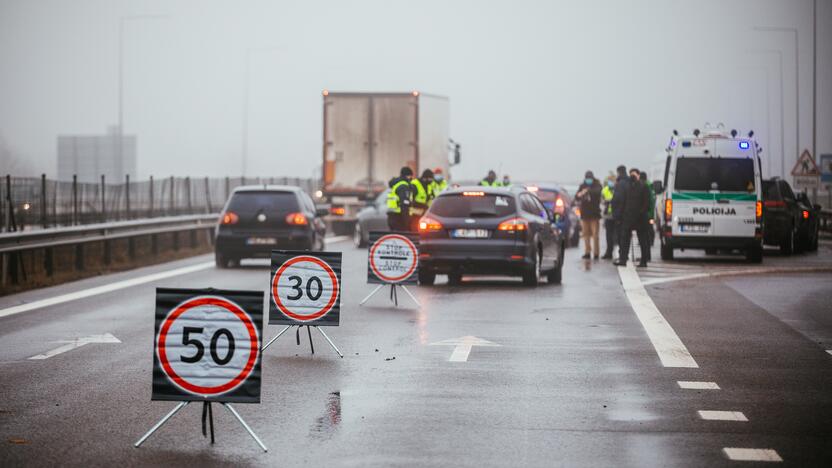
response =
{"points": [[207, 345], [305, 288]]}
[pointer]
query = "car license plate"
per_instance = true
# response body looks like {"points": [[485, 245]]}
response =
{"points": [[261, 241], [470, 233], [694, 227]]}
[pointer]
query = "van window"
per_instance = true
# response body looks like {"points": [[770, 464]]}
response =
{"points": [[461, 206], [722, 174]]}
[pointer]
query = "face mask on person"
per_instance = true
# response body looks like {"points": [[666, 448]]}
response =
{"points": [[438, 178], [610, 184], [588, 181]]}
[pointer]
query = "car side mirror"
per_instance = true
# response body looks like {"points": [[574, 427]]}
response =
{"points": [[657, 186]]}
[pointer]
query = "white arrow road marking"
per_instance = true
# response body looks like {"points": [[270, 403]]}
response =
{"points": [[70, 345], [462, 346]]}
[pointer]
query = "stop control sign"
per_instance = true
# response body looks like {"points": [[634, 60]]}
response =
{"points": [[393, 258], [305, 288], [207, 345]]}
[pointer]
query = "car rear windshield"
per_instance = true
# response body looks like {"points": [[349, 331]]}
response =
{"points": [[263, 201], [770, 191], [483, 206], [722, 174]]}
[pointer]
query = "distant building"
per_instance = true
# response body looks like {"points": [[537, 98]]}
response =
{"points": [[90, 156]]}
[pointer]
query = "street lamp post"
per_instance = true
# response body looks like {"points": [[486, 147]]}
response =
{"points": [[246, 98], [796, 79]]}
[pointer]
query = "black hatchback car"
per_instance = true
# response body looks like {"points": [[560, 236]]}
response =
{"points": [[492, 231], [789, 221], [257, 219]]}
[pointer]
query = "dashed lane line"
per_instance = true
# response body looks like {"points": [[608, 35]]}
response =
{"points": [[672, 352], [752, 454], [18, 309], [695, 385], [712, 415]]}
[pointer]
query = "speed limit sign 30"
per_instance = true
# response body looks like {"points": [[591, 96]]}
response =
{"points": [[305, 288], [207, 345]]}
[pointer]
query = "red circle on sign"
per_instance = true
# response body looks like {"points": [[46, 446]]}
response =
{"points": [[227, 305], [393, 279], [323, 310]]}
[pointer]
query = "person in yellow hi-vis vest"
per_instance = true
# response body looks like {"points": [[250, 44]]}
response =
{"points": [[398, 201], [609, 223], [419, 204], [490, 180], [439, 183]]}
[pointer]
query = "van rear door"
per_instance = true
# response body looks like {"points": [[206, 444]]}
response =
{"points": [[692, 199], [737, 175]]}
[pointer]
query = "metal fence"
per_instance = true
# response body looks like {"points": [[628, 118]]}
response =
{"points": [[30, 202]]}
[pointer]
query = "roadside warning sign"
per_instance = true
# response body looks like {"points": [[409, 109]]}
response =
{"points": [[393, 258], [805, 172], [207, 345], [305, 288]]}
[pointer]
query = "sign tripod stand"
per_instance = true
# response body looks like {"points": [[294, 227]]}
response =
{"points": [[206, 410], [394, 296], [297, 337]]}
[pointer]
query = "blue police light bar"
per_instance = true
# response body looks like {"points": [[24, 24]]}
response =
{"points": [[744, 145]]}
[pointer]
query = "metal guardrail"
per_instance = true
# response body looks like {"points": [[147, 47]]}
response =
{"points": [[56, 237]]}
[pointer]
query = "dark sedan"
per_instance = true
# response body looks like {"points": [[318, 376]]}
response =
{"points": [[260, 218], [789, 221], [492, 231]]}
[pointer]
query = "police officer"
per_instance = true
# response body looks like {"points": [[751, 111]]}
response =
{"points": [[651, 211], [420, 197], [632, 215], [606, 213], [398, 201], [439, 182], [490, 180], [506, 181]]}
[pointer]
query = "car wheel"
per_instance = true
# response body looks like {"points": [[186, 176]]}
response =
{"points": [[454, 279], [220, 259], [666, 251], [787, 244], [358, 236], [555, 276], [755, 254], [426, 278], [531, 277]]}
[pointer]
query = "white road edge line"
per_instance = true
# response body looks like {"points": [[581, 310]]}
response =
{"points": [[693, 385], [711, 415], [105, 338], [829, 351], [337, 238], [752, 454], [18, 309], [672, 352]]}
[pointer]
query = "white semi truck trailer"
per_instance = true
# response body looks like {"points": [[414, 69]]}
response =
{"points": [[368, 137]]}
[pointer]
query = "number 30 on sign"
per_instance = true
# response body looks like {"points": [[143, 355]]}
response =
{"points": [[305, 288]]}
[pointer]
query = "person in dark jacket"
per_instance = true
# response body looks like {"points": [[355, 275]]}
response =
{"points": [[398, 201], [589, 196], [617, 203], [633, 216]]}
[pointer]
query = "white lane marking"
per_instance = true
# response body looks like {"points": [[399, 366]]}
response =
{"points": [[674, 278], [337, 238], [102, 289], [70, 345], [829, 351], [752, 454], [711, 415], [744, 271], [462, 346], [672, 352], [693, 385]]}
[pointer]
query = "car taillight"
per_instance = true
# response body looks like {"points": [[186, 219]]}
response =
{"points": [[759, 210], [805, 214], [429, 225], [514, 224], [668, 210], [230, 218], [338, 211], [297, 219]]}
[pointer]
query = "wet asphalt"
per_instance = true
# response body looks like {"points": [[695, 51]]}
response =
{"points": [[574, 380]]}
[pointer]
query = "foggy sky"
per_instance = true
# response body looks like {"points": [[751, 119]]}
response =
{"points": [[539, 90]]}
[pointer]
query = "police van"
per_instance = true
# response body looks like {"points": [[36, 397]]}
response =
{"points": [[710, 196]]}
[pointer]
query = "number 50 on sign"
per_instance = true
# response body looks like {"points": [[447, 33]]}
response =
{"points": [[305, 288]]}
